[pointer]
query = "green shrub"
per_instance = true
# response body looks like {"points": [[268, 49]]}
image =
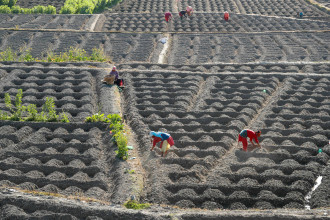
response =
{"points": [[98, 55], [121, 142], [12, 3], [50, 10], [133, 204], [49, 107], [17, 10], [87, 7], [98, 117], [32, 111], [27, 10], [5, 9], [39, 9], [8, 55], [27, 57], [4, 2], [64, 118]]}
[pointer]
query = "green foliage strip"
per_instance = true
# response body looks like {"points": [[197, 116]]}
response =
{"points": [[19, 111], [69, 7], [73, 54]]}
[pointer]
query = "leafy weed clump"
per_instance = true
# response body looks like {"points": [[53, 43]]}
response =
{"points": [[133, 204], [21, 112]]}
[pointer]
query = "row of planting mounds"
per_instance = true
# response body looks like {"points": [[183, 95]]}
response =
{"points": [[17, 205], [118, 47], [290, 8], [37, 21], [253, 47], [32, 3], [208, 22], [320, 68], [143, 6]]}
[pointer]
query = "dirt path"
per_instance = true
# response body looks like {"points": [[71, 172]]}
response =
{"points": [[163, 54]]}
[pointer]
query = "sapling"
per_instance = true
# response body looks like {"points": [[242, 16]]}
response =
{"points": [[49, 107], [33, 112], [64, 118]]}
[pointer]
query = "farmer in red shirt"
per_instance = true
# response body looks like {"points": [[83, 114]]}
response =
{"points": [[246, 133], [166, 141], [168, 16]]}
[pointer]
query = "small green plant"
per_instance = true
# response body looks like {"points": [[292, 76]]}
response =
{"points": [[49, 107], [98, 117], [64, 118], [133, 204], [32, 112], [27, 57], [98, 55], [121, 142], [8, 54]]}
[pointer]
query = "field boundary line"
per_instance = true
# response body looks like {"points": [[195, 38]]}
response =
{"points": [[162, 32]]}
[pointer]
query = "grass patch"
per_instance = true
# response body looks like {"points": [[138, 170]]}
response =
{"points": [[133, 204]]}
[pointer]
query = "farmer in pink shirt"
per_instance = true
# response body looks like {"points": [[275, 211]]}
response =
{"points": [[189, 10]]}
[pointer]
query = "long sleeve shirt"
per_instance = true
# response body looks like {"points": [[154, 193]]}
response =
{"points": [[114, 73], [252, 135]]}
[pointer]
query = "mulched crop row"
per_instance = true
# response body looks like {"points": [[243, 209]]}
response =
{"points": [[207, 22], [237, 48], [290, 8], [35, 21], [119, 47]]}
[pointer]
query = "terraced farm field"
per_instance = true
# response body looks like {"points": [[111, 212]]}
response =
{"points": [[200, 79]]}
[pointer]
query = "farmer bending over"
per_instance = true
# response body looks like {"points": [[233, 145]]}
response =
{"points": [[166, 141], [168, 16], [189, 10], [246, 133], [182, 13]]}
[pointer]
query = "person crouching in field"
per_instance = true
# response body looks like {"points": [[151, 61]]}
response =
{"points": [[166, 141], [189, 10], [168, 16], [112, 77], [246, 133], [182, 13]]}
